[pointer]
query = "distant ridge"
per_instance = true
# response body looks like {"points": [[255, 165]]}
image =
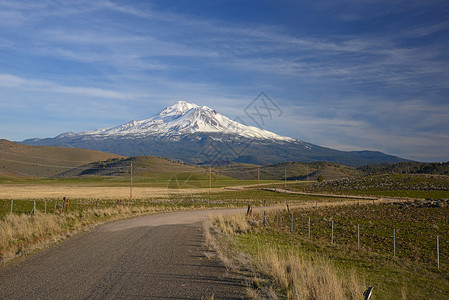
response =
{"points": [[200, 135], [17, 160]]}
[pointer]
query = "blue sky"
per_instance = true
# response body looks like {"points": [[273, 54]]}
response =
{"points": [[347, 74]]}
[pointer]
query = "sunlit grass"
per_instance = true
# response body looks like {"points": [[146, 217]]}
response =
{"points": [[412, 272]]}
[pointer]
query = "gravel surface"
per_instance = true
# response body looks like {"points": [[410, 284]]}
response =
{"points": [[152, 257]]}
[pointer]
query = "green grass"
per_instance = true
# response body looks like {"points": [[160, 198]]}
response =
{"points": [[418, 194], [185, 180], [414, 269], [389, 185], [225, 198]]}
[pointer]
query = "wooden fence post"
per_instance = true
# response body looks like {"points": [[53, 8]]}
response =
{"points": [[67, 207], [249, 211], [12, 205], [63, 205]]}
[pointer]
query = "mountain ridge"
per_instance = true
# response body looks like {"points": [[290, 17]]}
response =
{"points": [[200, 135]]}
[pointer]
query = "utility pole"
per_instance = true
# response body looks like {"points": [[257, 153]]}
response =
{"points": [[258, 178], [210, 178], [131, 183], [285, 176]]}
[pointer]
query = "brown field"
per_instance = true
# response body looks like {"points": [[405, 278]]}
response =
{"points": [[21, 192]]}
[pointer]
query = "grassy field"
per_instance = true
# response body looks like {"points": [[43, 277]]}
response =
{"points": [[114, 188], [168, 180], [390, 185], [108, 197], [411, 274], [27, 229]]}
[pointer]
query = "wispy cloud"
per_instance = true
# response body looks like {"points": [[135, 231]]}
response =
{"points": [[358, 74], [11, 81]]}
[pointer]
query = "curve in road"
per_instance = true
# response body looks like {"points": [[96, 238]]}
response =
{"points": [[151, 257]]}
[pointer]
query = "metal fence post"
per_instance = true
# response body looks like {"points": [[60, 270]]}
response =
{"points": [[358, 236], [394, 242], [309, 227], [12, 205], [332, 238], [438, 251], [292, 222], [277, 223]]}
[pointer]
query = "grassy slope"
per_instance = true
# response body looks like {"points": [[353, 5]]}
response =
{"points": [[143, 166], [150, 171], [413, 272], [293, 170], [407, 168], [386, 185], [44, 161]]}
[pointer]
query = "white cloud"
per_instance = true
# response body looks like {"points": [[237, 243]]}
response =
{"points": [[11, 81], [391, 89]]}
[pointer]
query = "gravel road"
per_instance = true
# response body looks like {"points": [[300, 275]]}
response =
{"points": [[151, 257]]}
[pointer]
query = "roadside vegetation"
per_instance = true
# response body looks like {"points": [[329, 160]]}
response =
{"points": [[280, 270], [282, 262], [38, 222], [23, 233], [278, 254]]}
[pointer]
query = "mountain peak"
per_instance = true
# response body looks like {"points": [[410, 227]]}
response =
{"points": [[184, 118], [196, 134], [177, 109]]}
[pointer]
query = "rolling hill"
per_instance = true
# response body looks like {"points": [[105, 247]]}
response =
{"points": [[292, 170], [142, 166], [149, 169], [17, 160]]}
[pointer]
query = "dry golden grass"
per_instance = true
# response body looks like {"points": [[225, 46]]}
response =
{"points": [[296, 276], [22, 234], [16, 191], [302, 278], [235, 224]]}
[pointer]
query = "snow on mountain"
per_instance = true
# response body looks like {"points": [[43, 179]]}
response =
{"points": [[184, 118], [199, 134]]}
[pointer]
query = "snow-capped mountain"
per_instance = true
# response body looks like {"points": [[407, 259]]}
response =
{"points": [[199, 134], [180, 119]]}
